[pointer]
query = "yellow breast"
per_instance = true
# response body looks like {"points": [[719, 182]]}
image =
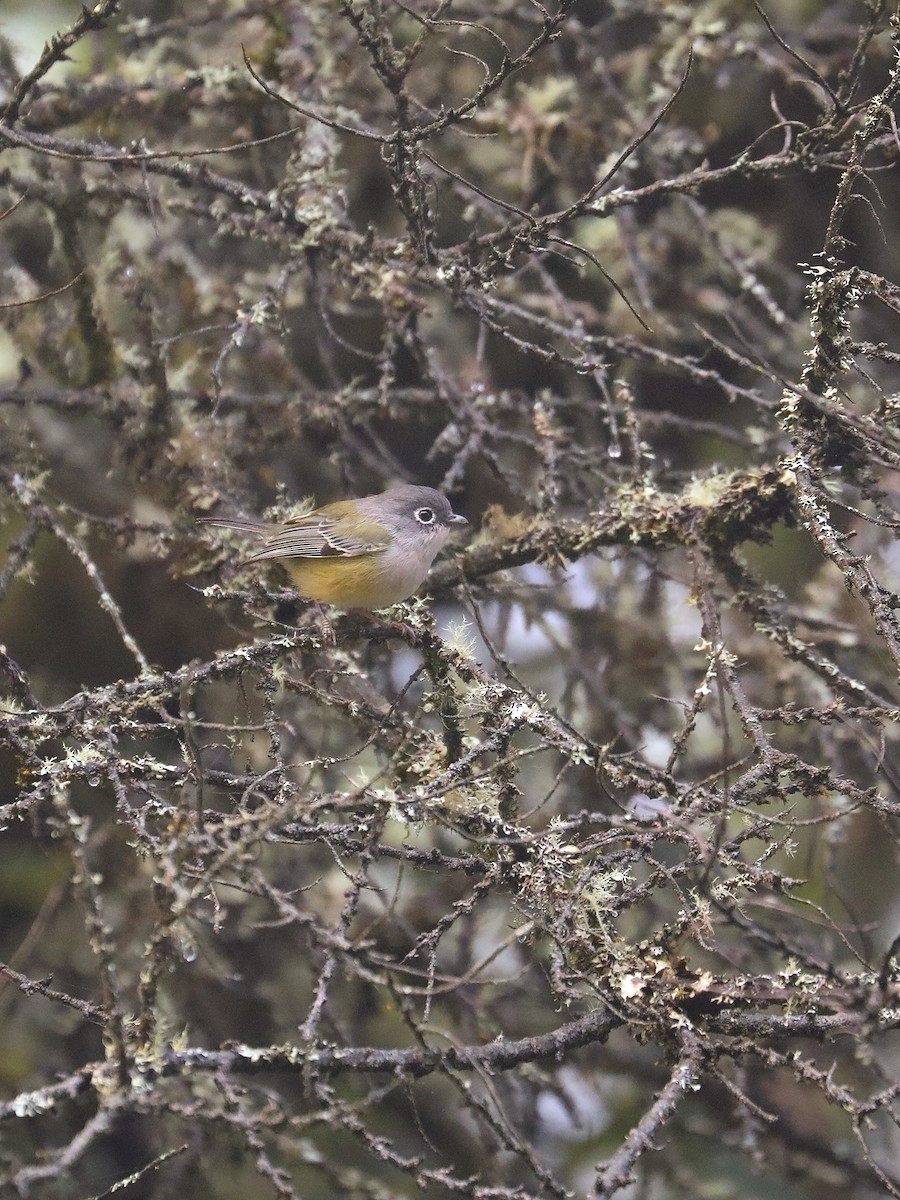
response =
{"points": [[360, 581]]}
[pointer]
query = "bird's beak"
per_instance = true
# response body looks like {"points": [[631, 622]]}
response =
{"points": [[456, 519]]}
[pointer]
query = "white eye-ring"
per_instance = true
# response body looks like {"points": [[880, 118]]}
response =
{"points": [[425, 516]]}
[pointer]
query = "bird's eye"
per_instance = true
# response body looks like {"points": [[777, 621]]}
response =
{"points": [[425, 516]]}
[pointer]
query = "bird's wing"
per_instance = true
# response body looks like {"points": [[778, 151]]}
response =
{"points": [[318, 536]]}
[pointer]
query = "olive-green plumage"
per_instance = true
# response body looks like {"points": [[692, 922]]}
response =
{"points": [[366, 553]]}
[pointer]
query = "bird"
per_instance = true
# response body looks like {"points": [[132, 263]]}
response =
{"points": [[366, 553]]}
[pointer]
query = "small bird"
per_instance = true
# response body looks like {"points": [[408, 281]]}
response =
{"points": [[367, 553]]}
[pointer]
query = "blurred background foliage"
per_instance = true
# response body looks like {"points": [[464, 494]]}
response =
{"points": [[633, 309]]}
